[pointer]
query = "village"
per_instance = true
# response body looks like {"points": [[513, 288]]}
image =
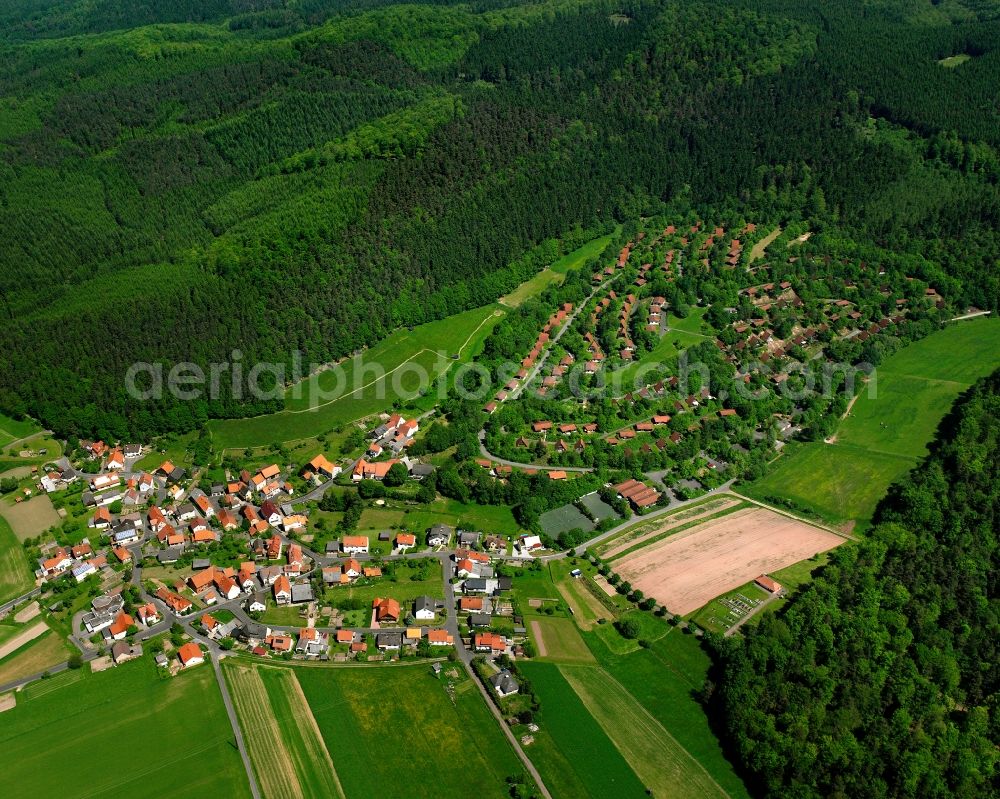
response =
{"points": [[228, 555], [593, 496]]}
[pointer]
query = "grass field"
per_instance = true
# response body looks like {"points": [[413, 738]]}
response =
{"points": [[758, 249], [587, 609], [558, 640], [363, 386], [289, 756], [556, 272], [664, 680], [403, 591], [662, 764], [953, 61], [486, 518], [577, 758], [15, 573], [122, 732], [836, 482], [41, 654], [393, 731], [12, 429], [883, 437], [683, 333]]}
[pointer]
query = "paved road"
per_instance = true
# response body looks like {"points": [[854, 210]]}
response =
{"points": [[215, 657], [466, 657], [518, 465], [548, 350], [11, 604]]}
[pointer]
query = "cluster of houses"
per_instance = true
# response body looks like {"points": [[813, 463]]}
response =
{"points": [[638, 494], [394, 435], [80, 561], [548, 331]]}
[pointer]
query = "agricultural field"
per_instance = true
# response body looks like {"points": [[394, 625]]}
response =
{"points": [[15, 572], [574, 754], [648, 531], [70, 719], [664, 766], [558, 640], [687, 570], [665, 679], [286, 748], [30, 518], [715, 615], [836, 482], [556, 272], [394, 731], [368, 384], [884, 435], [587, 608], [34, 656]]}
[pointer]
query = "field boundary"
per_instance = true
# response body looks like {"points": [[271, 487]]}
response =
{"points": [[720, 506], [645, 727], [676, 531]]}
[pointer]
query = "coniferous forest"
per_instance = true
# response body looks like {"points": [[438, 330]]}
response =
{"points": [[181, 179], [881, 677]]}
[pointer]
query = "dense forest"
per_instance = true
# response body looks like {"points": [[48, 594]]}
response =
{"points": [[881, 677], [181, 179]]}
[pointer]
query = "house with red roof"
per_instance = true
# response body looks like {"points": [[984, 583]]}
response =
{"points": [[190, 654], [386, 609], [282, 590]]}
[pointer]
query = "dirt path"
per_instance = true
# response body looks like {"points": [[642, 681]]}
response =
{"points": [[757, 251], [580, 599], [536, 630], [23, 637], [27, 613]]}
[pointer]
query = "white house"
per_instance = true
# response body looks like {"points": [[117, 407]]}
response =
{"points": [[354, 544]]}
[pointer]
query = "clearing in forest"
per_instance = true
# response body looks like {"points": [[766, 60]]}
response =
{"points": [[884, 435]]}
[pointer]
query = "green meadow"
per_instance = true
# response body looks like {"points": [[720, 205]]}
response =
{"points": [[370, 383], [15, 573], [627, 717], [888, 428], [126, 731], [557, 271], [394, 731], [572, 752]]}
